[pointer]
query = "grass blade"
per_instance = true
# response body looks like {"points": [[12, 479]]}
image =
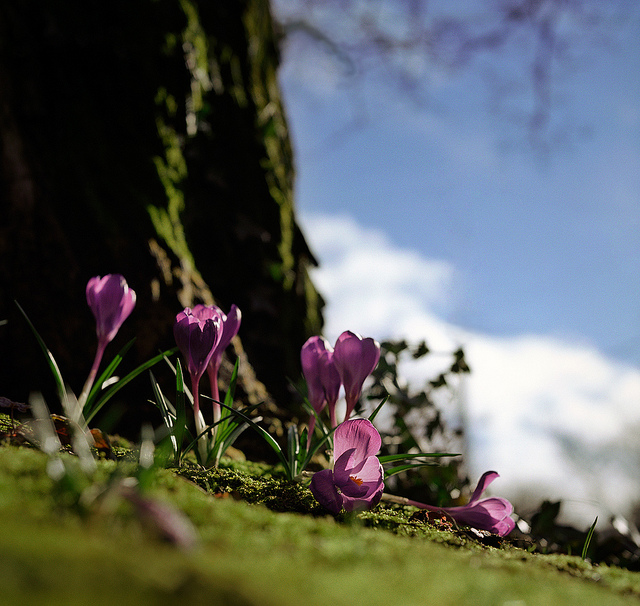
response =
{"points": [[127, 379], [374, 414], [293, 448], [400, 468], [319, 422], [181, 411], [419, 455], [266, 437], [107, 374], [312, 451], [167, 417], [53, 365], [231, 392], [587, 541]]}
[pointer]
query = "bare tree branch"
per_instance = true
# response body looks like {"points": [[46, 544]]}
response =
{"points": [[409, 40]]}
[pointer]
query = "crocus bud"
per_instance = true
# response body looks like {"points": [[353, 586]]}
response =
{"points": [[355, 358], [111, 301], [321, 375], [229, 326], [197, 335], [196, 338]]}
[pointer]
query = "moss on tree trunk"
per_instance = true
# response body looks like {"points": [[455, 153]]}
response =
{"points": [[146, 138]]}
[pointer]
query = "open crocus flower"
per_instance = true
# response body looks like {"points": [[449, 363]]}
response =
{"points": [[355, 358], [321, 375], [111, 302], [490, 514], [356, 481]]}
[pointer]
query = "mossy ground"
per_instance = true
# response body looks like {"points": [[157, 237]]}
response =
{"points": [[56, 550]]}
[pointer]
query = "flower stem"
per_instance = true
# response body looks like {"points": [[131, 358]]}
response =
{"points": [[332, 416], [312, 426], [212, 371], [102, 344], [392, 498], [199, 419], [351, 404]]}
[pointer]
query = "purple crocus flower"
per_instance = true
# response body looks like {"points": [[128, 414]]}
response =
{"points": [[111, 302], [197, 337], [356, 481], [230, 325], [490, 514], [321, 375], [355, 358]]}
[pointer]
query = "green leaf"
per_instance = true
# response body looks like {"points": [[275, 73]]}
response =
{"points": [[421, 350], [180, 395], [161, 402], [184, 388], [235, 429], [122, 382], [587, 541], [315, 447], [266, 437], [53, 365], [400, 468], [320, 424], [107, 374], [374, 414], [293, 448], [181, 412], [420, 455], [228, 399], [168, 416]]}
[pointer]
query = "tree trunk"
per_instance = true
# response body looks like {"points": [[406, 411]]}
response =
{"points": [[146, 138]]}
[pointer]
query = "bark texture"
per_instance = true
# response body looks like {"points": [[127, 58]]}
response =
{"points": [[146, 137]]}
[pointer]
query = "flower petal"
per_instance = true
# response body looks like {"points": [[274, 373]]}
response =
{"points": [[111, 302], [323, 380], [204, 312], [359, 434], [229, 326], [355, 358], [324, 490], [369, 500], [370, 471], [343, 465], [329, 378], [483, 484], [504, 527], [363, 481], [196, 339], [488, 514]]}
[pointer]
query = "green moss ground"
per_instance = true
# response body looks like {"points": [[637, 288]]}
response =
{"points": [[53, 552]]}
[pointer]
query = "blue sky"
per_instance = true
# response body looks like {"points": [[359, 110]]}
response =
{"points": [[455, 229]]}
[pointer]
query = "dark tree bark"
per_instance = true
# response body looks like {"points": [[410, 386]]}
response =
{"points": [[146, 138]]}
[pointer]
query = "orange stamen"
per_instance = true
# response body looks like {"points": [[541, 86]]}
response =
{"points": [[358, 481]]}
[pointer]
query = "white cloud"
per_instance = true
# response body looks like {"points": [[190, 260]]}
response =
{"points": [[553, 418], [377, 287]]}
